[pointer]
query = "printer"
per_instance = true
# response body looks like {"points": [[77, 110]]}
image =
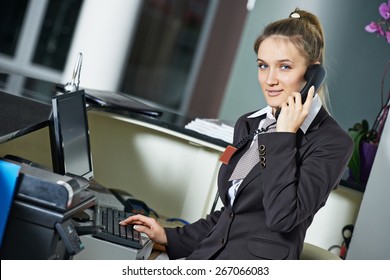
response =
{"points": [[40, 221]]}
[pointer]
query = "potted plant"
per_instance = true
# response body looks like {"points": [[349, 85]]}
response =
{"points": [[366, 140]]}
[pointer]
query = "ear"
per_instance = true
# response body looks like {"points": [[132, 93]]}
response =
{"points": [[315, 62]]}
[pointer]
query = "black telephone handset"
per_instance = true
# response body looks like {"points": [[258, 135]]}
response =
{"points": [[314, 76]]}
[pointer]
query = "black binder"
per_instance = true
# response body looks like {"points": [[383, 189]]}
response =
{"points": [[120, 100]]}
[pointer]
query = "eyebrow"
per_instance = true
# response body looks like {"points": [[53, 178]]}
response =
{"points": [[280, 60]]}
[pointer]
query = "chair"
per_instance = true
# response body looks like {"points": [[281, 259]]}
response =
{"points": [[313, 252]]}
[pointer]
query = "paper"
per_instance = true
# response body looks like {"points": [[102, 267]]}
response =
{"points": [[212, 127]]}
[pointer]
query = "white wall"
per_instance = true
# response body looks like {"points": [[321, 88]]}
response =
{"points": [[370, 239], [102, 39]]}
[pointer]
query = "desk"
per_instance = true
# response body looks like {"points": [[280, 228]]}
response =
{"points": [[156, 159], [173, 172], [96, 249], [172, 169], [20, 116]]}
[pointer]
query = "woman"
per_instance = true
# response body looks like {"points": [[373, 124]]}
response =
{"points": [[268, 208]]}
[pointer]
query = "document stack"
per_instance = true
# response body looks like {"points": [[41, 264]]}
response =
{"points": [[212, 127]]}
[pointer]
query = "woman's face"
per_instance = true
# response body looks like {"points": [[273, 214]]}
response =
{"points": [[281, 70]]}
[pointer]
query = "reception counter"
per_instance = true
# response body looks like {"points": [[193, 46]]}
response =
{"points": [[155, 159], [172, 169]]}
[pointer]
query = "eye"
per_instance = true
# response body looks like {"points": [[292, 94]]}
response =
{"points": [[262, 65], [285, 67]]}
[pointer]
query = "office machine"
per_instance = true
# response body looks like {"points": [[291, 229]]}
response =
{"points": [[8, 175], [71, 156], [42, 222], [124, 235], [39, 224], [69, 136]]}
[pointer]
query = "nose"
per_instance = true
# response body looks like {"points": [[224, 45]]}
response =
{"points": [[271, 78]]}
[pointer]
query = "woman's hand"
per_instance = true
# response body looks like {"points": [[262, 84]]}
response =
{"points": [[293, 113], [149, 226]]}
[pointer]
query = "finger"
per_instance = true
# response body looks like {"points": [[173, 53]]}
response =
{"points": [[154, 230], [282, 107], [312, 91], [297, 98], [309, 98], [136, 219], [290, 100], [141, 223], [144, 229]]}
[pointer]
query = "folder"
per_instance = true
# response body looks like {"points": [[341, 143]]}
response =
{"points": [[9, 173]]}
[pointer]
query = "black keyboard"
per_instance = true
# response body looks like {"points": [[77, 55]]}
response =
{"points": [[114, 232]]}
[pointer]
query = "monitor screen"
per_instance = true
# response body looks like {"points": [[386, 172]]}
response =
{"points": [[70, 146]]}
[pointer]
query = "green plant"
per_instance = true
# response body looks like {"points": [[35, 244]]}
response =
{"points": [[358, 133]]}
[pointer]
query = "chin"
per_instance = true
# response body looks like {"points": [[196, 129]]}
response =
{"points": [[274, 105]]}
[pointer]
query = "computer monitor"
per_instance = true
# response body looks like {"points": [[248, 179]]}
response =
{"points": [[69, 134]]}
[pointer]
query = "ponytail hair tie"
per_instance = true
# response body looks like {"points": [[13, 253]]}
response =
{"points": [[295, 15]]}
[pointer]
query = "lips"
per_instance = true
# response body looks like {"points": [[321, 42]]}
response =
{"points": [[274, 92]]}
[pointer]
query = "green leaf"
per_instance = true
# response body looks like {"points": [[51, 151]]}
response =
{"points": [[357, 133]]}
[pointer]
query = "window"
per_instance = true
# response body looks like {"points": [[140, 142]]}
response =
{"points": [[56, 33], [36, 37], [11, 19], [165, 44], [3, 79], [179, 57]]}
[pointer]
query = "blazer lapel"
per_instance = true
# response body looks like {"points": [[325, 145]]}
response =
{"points": [[303, 138], [253, 124], [301, 141]]}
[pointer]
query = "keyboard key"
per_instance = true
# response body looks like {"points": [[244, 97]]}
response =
{"points": [[113, 232]]}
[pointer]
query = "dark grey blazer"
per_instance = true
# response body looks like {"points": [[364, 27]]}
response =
{"points": [[276, 203]]}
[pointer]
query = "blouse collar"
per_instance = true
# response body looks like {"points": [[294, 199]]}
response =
{"points": [[314, 109]]}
